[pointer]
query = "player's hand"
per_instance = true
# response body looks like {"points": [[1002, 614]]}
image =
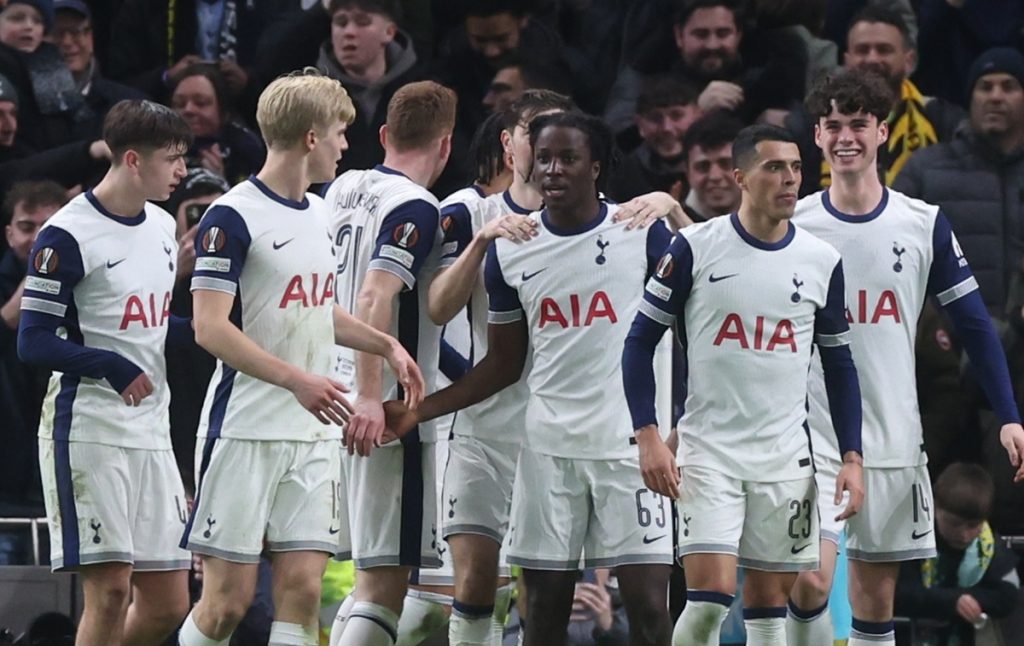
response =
{"points": [[720, 95], [140, 388], [398, 421], [672, 442], [591, 600], [187, 253], [657, 463], [511, 226], [212, 159], [850, 478], [366, 427], [968, 608], [235, 77], [646, 209], [408, 374], [1012, 438], [323, 397]]}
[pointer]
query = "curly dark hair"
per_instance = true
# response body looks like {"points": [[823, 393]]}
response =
{"points": [[852, 90], [599, 138]]}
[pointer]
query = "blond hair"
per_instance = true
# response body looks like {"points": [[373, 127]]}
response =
{"points": [[420, 113], [294, 104]]}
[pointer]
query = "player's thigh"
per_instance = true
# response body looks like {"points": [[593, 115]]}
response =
{"points": [[305, 513], [711, 508], [161, 593], [477, 488], [228, 582], [763, 589], [629, 524], [159, 512], [828, 510], [710, 572], [238, 480], [550, 513], [392, 505], [780, 530], [897, 520], [812, 587], [298, 572], [87, 491]]}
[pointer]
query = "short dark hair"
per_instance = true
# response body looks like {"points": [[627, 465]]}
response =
{"points": [[744, 148], [965, 490], [390, 8], [485, 150], [878, 12], [599, 137], [714, 130], [211, 73], [487, 8], [665, 90], [31, 195], [685, 8], [853, 90], [143, 124], [538, 73], [533, 102]]}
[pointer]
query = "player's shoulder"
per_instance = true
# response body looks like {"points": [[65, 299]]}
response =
{"points": [[707, 232], [75, 216], [399, 190], [469, 197], [161, 219], [910, 209], [807, 243], [810, 207]]}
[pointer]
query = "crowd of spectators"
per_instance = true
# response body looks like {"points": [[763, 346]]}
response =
{"points": [[676, 80]]}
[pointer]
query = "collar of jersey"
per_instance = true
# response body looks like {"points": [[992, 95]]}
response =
{"points": [[855, 219], [292, 204], [390, 171], [559, 231], [512, 204], [120, 219], [734, 218]]}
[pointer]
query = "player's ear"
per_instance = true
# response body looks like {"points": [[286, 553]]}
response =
{"points": [[595, 170], [817, 134], [883, 131], [506, 141], [310, 140], [131, 158], [383, 135], [740, 178]]}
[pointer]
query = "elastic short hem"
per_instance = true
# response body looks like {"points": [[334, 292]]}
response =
{"points": [[57, 565], [544, 564], [432, 597], [629, 559], [707, 548], [303, 546], [467, 528], [777, 566], [227, 555], [369, 562], [890, 557], [162, 566], [343, 556], [426, 577], [831, 537]]}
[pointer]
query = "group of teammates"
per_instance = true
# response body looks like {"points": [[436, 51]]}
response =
{"points": [[749, 293]]}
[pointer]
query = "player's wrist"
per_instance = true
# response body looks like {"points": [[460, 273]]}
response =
{"points": [[647, 434], [853, 457]]}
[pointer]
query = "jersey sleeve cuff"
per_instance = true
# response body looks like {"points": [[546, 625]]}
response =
{"points": [[656, 315], [502, 318], [394, 268], [959, 290], [29, 304]]}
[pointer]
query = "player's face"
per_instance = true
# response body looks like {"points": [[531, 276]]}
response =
{"points": [[518, 146], [563, 168], [997, 105], [72, 34], [879, 47], [25, 225], [709, 41], [330, 145], [21, 27], [958, 532], [159, 171], [849, 142], [494, 36], [709, 173], [359, 38], [506, 86], [771, 183], [8, 122], [195, 100], [663, 128]]}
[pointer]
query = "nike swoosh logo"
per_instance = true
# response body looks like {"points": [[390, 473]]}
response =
{"points": [[332, 531], [111, 265], [648, 541], [527, 276], [278, 245], [914, 535], [797, 550], [714, 279]]}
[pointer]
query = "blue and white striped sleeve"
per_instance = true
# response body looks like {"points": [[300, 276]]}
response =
{"points": [[505, 306]]}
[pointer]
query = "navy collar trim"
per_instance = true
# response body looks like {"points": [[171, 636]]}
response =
{"points": [[734, 218], [120, 219], [479, 191], [292, 204], [559, 231], [826, 201], [512, 204], [389, 171]]}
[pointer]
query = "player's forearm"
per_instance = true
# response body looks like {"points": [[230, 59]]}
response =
{"points": [[494, 373], [353, 333], [40, 346], [638, 371], [11, 310], [229, 344], [844, 400], [375, 310], [453, 286]]}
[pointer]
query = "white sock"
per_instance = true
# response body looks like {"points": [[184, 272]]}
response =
{"points": [[809, 628], [765, 626], [285, 634], [866, 633], [338, 627], [701, 621], [502, 606], [470, 625], [370, 625], [190, 635], [420, 619]]}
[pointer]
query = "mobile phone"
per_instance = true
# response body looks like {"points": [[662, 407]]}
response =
{"points": [[193, 213]]}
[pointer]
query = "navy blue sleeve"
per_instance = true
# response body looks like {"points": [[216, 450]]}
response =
{"points": [[832, 336], [405, 239], [453, 365], [953, 284], [658, 240], [664, 297], [504, 306], [457, 226], [222, 244], [49, 304], [179, 332]]}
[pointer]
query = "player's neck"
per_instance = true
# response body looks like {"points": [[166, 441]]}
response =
{"points": [[415, 165], [856, 194], [761, 226], [117, 195], [525, 195], [575, 216], [285, 174]]}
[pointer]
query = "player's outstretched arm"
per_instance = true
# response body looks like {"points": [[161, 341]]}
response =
{"points": [[215, 333], [650, 207]]}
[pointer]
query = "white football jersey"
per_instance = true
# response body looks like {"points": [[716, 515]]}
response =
{"points": [[501, 417], [749, 312], [382, 220], [275, 256], [893, 258], [578, 291], [108, 279]]}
